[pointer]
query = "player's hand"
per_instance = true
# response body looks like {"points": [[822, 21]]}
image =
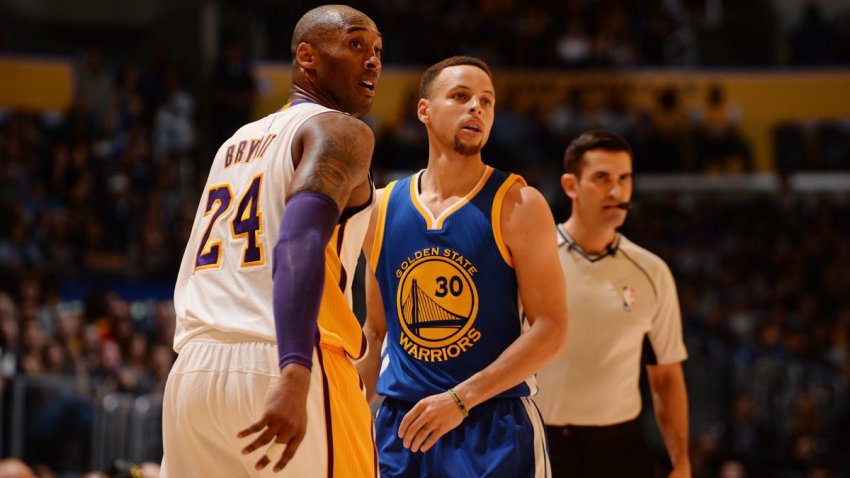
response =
{"points": [[428, 420], [285, 418]]}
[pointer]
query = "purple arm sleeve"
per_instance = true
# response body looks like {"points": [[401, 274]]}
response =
{"points": [[298, 271]]}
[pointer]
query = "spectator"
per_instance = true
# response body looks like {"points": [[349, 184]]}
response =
{"points": [[668, 134], [813, 41], [174, 123], [615, 113], [732, 469], [233, 87], [569, 117], [720, 146], [745, 436], [94, 87], [574, 47], [127, 108]]}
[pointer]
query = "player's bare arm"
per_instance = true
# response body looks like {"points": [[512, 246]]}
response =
{"points": [[333, 154], [527, 229], [670, 401], [375, 326], [375, 331]]}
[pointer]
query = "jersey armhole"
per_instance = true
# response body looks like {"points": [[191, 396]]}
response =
{"points": [[293, 164], [496, 216], [378, 240]]}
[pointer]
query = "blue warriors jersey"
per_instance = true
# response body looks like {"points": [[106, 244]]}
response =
{"points": [[448, 287]]}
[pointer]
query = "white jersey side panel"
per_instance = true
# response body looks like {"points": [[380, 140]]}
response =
{"points": [[225, 278]]}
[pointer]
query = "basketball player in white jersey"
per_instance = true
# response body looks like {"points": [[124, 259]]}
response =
{"points": [[265, 331], [623, 305]]}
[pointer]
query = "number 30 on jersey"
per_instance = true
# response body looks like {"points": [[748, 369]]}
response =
{"points": [[246, 224]]}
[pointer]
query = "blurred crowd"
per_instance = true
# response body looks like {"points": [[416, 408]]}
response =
{"points": [[104, 194], [535, 33], [100, 198], [15, 468], [89, 198], [762, 282], [595, 33], [672, 135]]}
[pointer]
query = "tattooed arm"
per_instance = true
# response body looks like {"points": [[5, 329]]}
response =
{"points": [[333, 153]]}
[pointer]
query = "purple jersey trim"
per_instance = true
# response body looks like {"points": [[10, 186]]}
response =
{"points": [[328, 421]]}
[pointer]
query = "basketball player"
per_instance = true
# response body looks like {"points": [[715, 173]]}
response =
{"points": [[623, 304], [457, 249], [265, 330]]}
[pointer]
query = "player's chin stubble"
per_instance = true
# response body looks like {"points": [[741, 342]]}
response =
{"points": [[467, 149]]}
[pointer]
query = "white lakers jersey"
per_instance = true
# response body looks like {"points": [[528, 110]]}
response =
{"points": [[225, 278]]}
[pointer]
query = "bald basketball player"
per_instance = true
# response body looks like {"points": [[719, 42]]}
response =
{"points": [[265, 332], [14, 468]]}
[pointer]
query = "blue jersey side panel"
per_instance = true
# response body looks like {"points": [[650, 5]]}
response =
{"points": [[450, 298]]}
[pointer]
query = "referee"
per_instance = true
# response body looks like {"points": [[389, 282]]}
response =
{"points": [[623, 305]]}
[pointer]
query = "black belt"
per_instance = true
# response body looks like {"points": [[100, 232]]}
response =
{"points": [[594, 430]]}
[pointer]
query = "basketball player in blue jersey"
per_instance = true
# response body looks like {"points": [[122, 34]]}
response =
{"points": [[265, 334], [461, 253]]}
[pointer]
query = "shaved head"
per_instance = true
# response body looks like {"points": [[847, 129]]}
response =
{"points": [[14, 468], [322, 22], [336, 58]]}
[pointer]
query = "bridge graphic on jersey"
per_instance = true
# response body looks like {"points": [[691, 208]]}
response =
{"points": [[421, 312]]}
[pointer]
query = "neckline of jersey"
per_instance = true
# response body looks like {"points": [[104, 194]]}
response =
{"points": [[610, 250], [433, 223]]}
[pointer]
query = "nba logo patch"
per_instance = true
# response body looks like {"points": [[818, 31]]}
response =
{"points": [[629, 298]]}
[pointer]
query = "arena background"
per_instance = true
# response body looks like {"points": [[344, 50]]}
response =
{"points": [[739, 111]]}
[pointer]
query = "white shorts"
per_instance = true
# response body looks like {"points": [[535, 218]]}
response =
{"points": [[217, 388]]}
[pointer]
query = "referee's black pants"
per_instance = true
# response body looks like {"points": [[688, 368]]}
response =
{"points": [[612, 451]]}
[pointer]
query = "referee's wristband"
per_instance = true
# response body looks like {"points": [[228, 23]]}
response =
{"points": [[459, 402]]}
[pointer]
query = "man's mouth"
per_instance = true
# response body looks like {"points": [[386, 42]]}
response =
{"points": [[368, 85]]}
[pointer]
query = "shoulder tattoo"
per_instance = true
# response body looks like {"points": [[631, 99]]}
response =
{"points": [[341, 160]]}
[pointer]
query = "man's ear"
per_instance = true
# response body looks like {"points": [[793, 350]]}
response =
{"points": [[305, 56], [423, 111], [568, 184]]}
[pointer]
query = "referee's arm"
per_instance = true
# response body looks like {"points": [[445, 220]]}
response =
{"points": [[670, 401]]}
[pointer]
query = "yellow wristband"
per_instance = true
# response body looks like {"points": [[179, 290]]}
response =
{"points": [[459, 402], [136, 472]]}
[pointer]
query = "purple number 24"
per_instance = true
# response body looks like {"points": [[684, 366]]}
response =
{"points": [[246, 224]]}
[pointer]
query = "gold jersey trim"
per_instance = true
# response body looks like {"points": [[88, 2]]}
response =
{"points": [[496, 217]]}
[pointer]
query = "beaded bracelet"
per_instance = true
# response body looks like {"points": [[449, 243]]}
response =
{"points": [[459, 402]]}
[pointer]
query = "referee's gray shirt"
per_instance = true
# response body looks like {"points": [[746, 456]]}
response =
{"points": [[616, 301]]}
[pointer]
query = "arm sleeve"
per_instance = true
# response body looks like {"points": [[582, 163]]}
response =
{"points": [[298, 270]]}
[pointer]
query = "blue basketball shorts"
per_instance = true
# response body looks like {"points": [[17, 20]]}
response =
{"points": [[500, 438]]}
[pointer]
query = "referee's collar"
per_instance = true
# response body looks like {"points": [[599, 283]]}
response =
{"points": [[572, 245]]}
